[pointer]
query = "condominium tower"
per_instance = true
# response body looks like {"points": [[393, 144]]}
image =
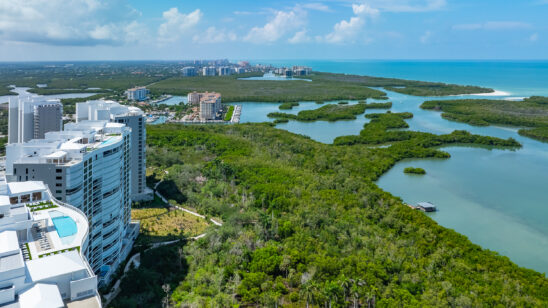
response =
{"points": [[188, 71], [210, 104], [137, 94], [88, 166], [133, 118], [30, 118]]}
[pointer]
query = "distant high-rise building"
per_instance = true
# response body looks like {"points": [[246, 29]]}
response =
{"points": [[225, 70], [209, 71], [133, 118], [137, 94], [240, 70], [301, 70], [30, 119], [189, 71]]}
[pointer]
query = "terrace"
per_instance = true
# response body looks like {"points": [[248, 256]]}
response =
{"points": [[45, 237]]}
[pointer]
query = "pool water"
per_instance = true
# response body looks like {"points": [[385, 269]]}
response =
{"points": [[65, 226], [108, 141]]}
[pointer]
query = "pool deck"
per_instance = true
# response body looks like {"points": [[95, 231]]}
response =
{"points": [[55, 242]]}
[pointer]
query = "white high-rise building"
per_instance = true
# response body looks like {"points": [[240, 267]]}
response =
{"points": [[133, 118], [42, 244], [209, 71], [188, 71], [225, 70], [137, 94], [88, 166], [32, 117]]}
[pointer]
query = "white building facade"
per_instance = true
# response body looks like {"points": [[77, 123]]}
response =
{"points": [[32, 117], [133, 118], [88, 166], [42, 241], [209, 71], [188, 71], [137, 94]]}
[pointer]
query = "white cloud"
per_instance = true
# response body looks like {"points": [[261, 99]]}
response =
{"points": [[426, 37], [494, 25], [61, 22], [315, 6], [346, 31], [300, 37], [177, 24], [213, 35], [415, 6], [533, 37], [284, 22]]}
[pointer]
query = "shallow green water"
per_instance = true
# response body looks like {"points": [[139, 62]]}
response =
{"points": [[498, 198]]}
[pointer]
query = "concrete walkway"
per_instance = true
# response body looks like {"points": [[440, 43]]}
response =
{"points": [[182, 208], [136, 261], [136, 258]]}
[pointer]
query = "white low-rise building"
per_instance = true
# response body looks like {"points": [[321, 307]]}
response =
{"points": [[42, 242]]}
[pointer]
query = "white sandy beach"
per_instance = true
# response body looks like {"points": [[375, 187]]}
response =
{"points": [[496, 93]]}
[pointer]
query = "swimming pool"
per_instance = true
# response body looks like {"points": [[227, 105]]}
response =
{"points": [[108, 141], [64, 225]]}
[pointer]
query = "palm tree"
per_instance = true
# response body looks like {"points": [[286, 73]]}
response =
{"points": [[345, 285], [308, 291]]}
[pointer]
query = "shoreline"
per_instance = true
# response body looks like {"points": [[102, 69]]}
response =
{"points": [[494, 93]]}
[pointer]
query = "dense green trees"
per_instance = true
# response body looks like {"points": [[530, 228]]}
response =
{"points": [[143, 287], [288, 105], [410, 87], [304, 223], [531, 112], [331, 112], [383, 127], [324, 87], [412, 170]]}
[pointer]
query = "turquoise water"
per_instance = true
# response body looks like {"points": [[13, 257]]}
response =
{"points": [[273, 77], [521, 78], [160, 120], [65, 226], [497, 198], [175, 100], [109, 141]]}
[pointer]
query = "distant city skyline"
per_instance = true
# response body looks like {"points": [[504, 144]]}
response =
{"points": [[57, 30]]}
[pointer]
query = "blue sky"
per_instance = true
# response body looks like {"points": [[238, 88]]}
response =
{"points": [[35, 30]]}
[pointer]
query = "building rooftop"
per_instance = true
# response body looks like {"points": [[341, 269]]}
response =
{"points": [[68, 146], [40, 242], [22, 187], [55, 265], [41, 295], [8, 243]]}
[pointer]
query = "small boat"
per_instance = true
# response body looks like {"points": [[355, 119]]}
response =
{"points": [[426, 207]]}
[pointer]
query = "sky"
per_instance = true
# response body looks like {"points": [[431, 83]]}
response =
{"points": [[61, 30]]}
